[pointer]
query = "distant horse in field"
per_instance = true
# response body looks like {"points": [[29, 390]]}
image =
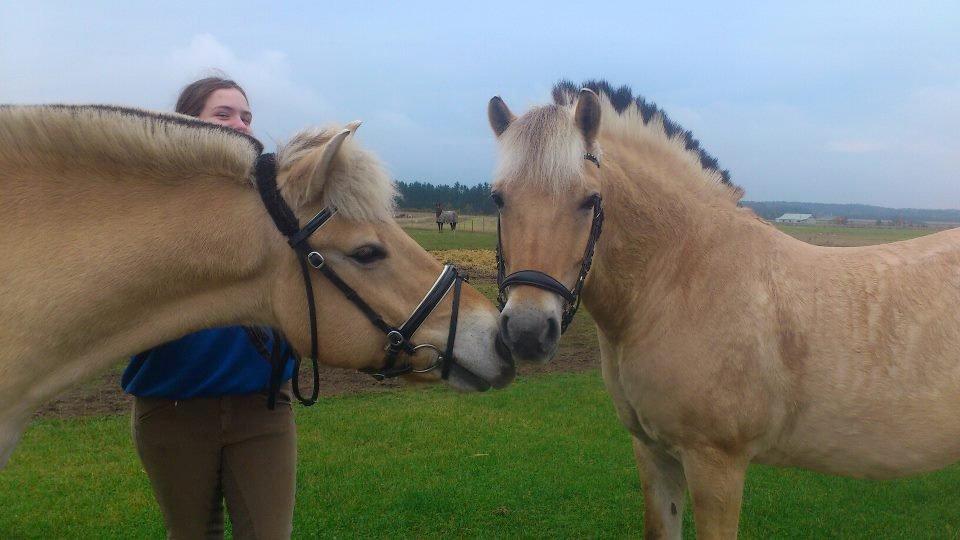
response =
{"points": [[448, 216], [723, 340], [124, 229]]}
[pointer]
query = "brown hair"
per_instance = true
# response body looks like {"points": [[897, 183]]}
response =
{"points": [[194, 96]]}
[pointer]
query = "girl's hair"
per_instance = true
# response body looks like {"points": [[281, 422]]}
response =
{"points": [[194, 96]]}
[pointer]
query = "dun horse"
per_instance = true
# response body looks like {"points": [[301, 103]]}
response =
{"points": [[124, 229], [723, 341]]}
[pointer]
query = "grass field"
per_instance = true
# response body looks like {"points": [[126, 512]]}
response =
{"points": [[825, 235], [545, 458], [431, 240]]}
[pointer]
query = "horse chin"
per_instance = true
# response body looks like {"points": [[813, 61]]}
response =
{"points": [[466, 381]]}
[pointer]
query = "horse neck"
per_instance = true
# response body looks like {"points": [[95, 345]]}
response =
{"points": [[145, 261], [656, 223]]}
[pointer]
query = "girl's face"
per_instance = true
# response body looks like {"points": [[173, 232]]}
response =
{"points": [[228, 107]]}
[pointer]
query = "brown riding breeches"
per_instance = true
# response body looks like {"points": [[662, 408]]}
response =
{"points": [[199, 452]]}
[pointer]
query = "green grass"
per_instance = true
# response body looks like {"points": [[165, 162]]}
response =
{"points": [[431, 240], [851, 236], [544, 458]]}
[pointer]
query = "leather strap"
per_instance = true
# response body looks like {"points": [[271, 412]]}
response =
{"points": [[538, 279]]}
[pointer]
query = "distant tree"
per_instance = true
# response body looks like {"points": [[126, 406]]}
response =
{"points": [[459, 197]]}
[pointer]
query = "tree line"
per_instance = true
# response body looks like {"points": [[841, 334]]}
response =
{"points": [[476, 200], [462, 198]]}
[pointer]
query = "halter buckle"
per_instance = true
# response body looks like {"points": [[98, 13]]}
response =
{"points": [[395, 339], [315, 259]]}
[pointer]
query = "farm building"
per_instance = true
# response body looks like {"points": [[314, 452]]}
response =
{"points": [[806, 219]]}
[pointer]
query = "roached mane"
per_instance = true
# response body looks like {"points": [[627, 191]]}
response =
{"points": [[565, 93]]}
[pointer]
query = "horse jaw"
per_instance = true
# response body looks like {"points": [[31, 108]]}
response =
{"points": [[12, 427]]}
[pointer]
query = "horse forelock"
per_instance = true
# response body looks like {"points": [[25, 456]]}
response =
{"points": [[542, 148], [357, 183], [116, 140]]}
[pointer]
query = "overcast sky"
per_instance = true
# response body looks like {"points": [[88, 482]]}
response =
{"points": [[801, 101]]}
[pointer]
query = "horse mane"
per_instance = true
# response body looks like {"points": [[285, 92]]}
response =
{"points": [[119, 140], [637, 115], [127, 142]]}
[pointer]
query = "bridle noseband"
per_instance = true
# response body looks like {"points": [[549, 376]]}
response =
{"points": [[398, 339], [536, 278]]}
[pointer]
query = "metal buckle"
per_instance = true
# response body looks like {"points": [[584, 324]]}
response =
{"points": [[395, 339], [315, 259]]}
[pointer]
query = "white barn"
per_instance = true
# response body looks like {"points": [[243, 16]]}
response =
{"points": [[806, 219]]}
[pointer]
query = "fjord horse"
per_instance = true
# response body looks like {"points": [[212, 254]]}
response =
{"points": [[123, 229], [723, 341]]}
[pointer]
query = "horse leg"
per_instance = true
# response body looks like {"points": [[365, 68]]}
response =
{"points": [[664, 488], [661, 475], [716, 479]]}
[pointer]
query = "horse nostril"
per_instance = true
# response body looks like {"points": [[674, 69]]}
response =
{"points": [[553, 329]]}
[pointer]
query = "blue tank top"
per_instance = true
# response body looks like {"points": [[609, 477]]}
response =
{"points": [[214, 362]]}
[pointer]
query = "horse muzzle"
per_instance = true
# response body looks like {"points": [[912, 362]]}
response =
{"points": [[531, 332]]}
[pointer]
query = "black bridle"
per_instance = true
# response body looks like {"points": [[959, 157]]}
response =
{"points": [[536, 278], [398, 338]]}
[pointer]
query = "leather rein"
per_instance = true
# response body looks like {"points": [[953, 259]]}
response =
{"points": [[398, 338], [541, 280]]}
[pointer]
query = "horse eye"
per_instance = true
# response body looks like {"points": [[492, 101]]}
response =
{"points": [[589, 202], [368, 254], [497, 199]]}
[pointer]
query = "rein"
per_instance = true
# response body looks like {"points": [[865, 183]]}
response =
{"points": [[398, 339], [536, 278]]}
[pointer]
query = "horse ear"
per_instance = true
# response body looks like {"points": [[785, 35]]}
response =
{"points": [[313, 167], [499, 115], [587, 115]]}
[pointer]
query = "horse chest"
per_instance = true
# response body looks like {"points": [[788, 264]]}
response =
{"points": [[632, 399], [672, 397]]}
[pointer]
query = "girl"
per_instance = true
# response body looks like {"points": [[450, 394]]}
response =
{"points": [[200, 421]]}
